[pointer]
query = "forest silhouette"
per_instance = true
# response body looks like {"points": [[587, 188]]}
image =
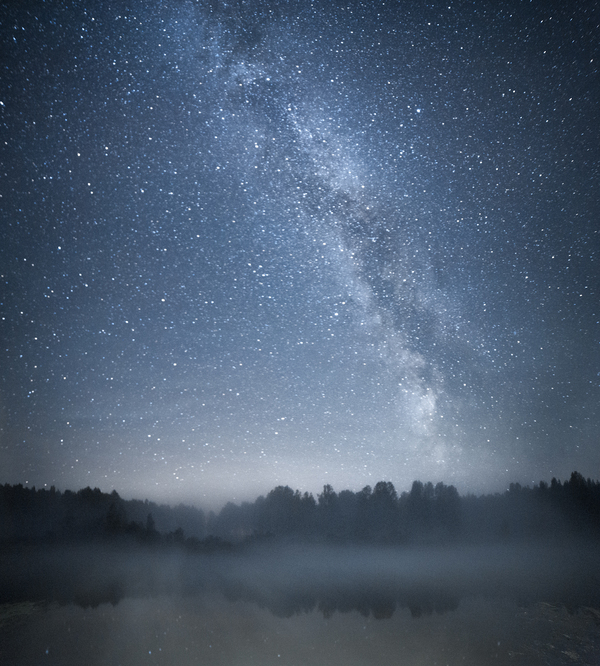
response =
{"points": [[426, 514]]}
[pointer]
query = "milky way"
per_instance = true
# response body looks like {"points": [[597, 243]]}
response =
{"points": [[314, 243]]}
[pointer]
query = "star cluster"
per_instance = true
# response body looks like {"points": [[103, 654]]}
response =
{"points": [[245, 245]]}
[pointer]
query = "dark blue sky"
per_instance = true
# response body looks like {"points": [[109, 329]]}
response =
{"points": [[245, 246]]}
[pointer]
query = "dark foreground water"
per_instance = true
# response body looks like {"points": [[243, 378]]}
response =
{"points": [[302, 606]]}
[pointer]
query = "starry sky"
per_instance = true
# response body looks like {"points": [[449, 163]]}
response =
{"points": [[246, 244]]}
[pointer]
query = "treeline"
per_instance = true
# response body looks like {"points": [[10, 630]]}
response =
{"points": [[372, 515], [28, 515], [425, 514]]}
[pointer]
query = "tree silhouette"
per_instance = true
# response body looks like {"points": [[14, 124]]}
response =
{"points": [[384, 513]]}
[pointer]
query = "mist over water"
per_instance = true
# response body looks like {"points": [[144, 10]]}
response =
{"points": [[310, 604]]}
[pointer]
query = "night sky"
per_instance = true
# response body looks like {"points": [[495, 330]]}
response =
{"points": [[246, 244]]}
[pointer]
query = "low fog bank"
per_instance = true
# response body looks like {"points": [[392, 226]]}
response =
{"points": [[289, 579], [424, 579]]}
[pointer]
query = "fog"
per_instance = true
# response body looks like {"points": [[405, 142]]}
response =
{"points": [[288, 579]]}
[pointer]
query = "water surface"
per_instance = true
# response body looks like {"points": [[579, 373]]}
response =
{"points": [[302, 606]]}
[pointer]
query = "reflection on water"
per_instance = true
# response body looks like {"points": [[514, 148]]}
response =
{"points": [[301, 606], [211, 630]]}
